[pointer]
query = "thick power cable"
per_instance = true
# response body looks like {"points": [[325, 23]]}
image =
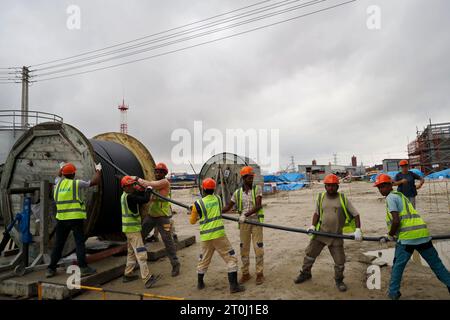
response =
{"points": [[266, 225]]}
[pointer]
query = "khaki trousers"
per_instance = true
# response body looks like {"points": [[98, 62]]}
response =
{"points": [[250, 233], [137, 253], [223, 246], [336, 250]]}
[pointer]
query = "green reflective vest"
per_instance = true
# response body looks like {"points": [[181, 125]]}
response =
{"points": [[68, 203], [131, 222], [238, 196], [160, 207], [211, 223], [350, 224], [412, 225]]}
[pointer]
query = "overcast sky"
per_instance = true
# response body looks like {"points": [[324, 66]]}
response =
{"points": [[326, 81]]}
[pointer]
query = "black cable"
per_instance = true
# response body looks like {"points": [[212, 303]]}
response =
{"points": [[181, 40], [177, 34], [148, 36], [199, 44]]}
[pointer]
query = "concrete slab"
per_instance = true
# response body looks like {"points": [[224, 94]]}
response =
{"points": [[107, 269]]}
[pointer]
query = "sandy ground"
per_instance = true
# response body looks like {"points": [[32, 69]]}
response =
{"points": [[284, 252]]}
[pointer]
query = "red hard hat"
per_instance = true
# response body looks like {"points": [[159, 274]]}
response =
{"points": [[126, 181], [331, 179], [68, 168], [208, 184], [382, 178], [162, 166], [403, 163], [247, 171]]}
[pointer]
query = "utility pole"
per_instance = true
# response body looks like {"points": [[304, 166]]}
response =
{"points": [[335, 158], [25, 82]]}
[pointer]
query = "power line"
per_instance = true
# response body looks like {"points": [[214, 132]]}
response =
{"points": [[184, 39], [151, 35], [187, 31], [200, 44]]}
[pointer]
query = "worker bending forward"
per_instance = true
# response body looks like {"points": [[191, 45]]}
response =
{"points": [[212, 235], [131, 226], [334, 214], [411, 233]]}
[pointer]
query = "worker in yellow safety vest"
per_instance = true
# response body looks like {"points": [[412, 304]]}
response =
{"points": [[70, 215], [334, 214], [248, 202], [207, 211], [160, 214], [130, 201], [410, 231]]}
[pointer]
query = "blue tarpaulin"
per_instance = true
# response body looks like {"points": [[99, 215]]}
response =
{"points": [[445, 174], [392, 174], [285, 181]]}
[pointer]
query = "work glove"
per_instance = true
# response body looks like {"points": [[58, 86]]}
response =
{"points": [[311, 228], [242, 218], [135, 178], [98, 167], [384, 239], [358, 234], [149, 189], [61, 165]]}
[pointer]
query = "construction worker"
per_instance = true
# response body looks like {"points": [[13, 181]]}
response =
{"points": [[410, 231], [248, 202], [70, 214], [131, 226], [160, 213], [212, 235], [405, 180], [334, 214]]}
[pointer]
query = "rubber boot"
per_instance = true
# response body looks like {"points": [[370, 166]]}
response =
{"points": [[342, 287], [302, 277], [234, 285], [200, 283]]}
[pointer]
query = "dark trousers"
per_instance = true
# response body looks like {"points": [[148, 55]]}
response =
{"points": [[63, 228], [163, 225]]}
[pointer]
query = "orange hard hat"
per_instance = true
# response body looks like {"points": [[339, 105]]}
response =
{"points": [[403, 163], [126, 181], [247, 171], [68, 168], [162, 166], [208, 184], [382, 178], [331, 179]]}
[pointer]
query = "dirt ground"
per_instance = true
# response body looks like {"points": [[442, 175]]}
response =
{"points": [[284, 252]]}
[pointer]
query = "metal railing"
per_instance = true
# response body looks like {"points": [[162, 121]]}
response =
{"points": [[12, 119]]}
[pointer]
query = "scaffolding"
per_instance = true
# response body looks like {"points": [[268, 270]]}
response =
{"points": [[430, 152]]}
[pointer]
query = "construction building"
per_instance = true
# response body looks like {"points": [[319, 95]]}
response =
{"points": [[430, 152]]}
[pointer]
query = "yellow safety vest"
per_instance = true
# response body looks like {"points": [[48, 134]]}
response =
{"points": [[238, 196], [160, 207], [211, 223], [350, 224], [131, 222], [68, 203], [412, 226]]}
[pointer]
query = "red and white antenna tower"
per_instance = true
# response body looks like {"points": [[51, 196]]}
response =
{"points": [[123, 117]]}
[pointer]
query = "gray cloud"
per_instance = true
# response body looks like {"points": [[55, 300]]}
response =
{"points": [[326, 81]]}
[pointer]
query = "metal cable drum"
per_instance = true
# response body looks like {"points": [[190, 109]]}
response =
{"points": [[225, 168], [36, 156]]}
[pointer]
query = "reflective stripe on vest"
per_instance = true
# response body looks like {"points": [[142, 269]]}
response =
{"points": [[160, 207], [131, 222], [211, 223], [412, 226], [68, 203], [238, 196], [350, 224]]}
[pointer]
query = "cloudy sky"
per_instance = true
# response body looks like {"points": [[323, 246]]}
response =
{"points": [[326, 81]]}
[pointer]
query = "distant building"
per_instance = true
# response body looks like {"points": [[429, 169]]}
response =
{"points": [[354, 162], [391, 165]]}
